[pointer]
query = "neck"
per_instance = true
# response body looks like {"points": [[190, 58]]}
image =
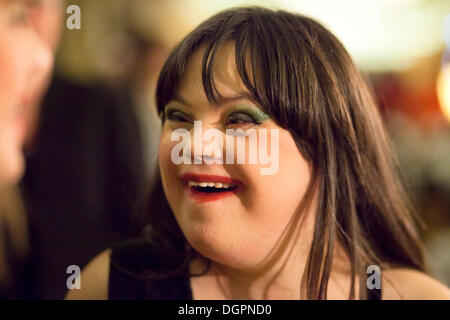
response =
{"points": [[278, 277], [282, 280]]}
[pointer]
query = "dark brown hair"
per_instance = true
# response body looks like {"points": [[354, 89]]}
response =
{"points": [[303, 77]]}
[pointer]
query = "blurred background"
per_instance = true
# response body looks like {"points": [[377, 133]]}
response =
{"points": [[94, 131]]}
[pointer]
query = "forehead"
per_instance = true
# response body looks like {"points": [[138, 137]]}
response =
{"points": [[225, 75]]}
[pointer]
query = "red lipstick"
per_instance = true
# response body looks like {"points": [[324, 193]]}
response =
{"points": [[204, 194]]}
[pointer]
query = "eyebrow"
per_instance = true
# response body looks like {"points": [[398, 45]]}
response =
{"points": [[223, 100]]}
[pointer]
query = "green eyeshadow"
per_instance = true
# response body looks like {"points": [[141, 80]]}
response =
{"points": [[257, 114]]}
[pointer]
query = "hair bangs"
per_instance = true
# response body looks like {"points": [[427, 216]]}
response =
{"points": [[303, 78], [263, 59]]}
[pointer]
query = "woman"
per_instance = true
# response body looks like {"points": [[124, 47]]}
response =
{"points": [[309, 229], [24, 63]]}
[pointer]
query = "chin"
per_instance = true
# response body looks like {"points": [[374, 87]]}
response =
{"points": [[219, 248], [207, 243]]}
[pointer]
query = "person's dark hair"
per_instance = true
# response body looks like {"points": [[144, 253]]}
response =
{"points": [[303, 77]]}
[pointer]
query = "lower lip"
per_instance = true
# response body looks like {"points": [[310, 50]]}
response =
{"points": [[199, 196]]}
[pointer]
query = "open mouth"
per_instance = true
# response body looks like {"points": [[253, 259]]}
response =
{"points": [[211, 187]]}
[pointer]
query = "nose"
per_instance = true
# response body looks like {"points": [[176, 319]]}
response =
{"points": [[207, 144], [42, 64], [44, 58]]}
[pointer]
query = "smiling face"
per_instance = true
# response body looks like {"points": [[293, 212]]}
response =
{"points": [[238, 226], [24, 60]]}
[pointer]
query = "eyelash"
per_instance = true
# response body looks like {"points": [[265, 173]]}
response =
{"points": [[173, 114], [242, 118], [239, 117]]}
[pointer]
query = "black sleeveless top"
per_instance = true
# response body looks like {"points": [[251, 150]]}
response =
{"points": [[127, 281], [131, 259]]}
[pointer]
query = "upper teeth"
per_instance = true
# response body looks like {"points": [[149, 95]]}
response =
{"points": [[210, 184]]}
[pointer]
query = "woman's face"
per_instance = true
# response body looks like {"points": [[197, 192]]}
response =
{"points": [[237, 228], [24, 61]]}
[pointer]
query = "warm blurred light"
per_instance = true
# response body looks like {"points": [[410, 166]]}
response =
{"points": [[381, 34], [443, 90], [447, 30]]}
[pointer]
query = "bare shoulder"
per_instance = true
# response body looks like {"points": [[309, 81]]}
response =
{"points": [[409, 284], [94, 279]]}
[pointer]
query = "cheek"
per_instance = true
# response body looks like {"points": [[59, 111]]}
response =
{"points": [[168, 168], [12, 77], [13, 80], [24, 63], [274, 199], [164, 149]]}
